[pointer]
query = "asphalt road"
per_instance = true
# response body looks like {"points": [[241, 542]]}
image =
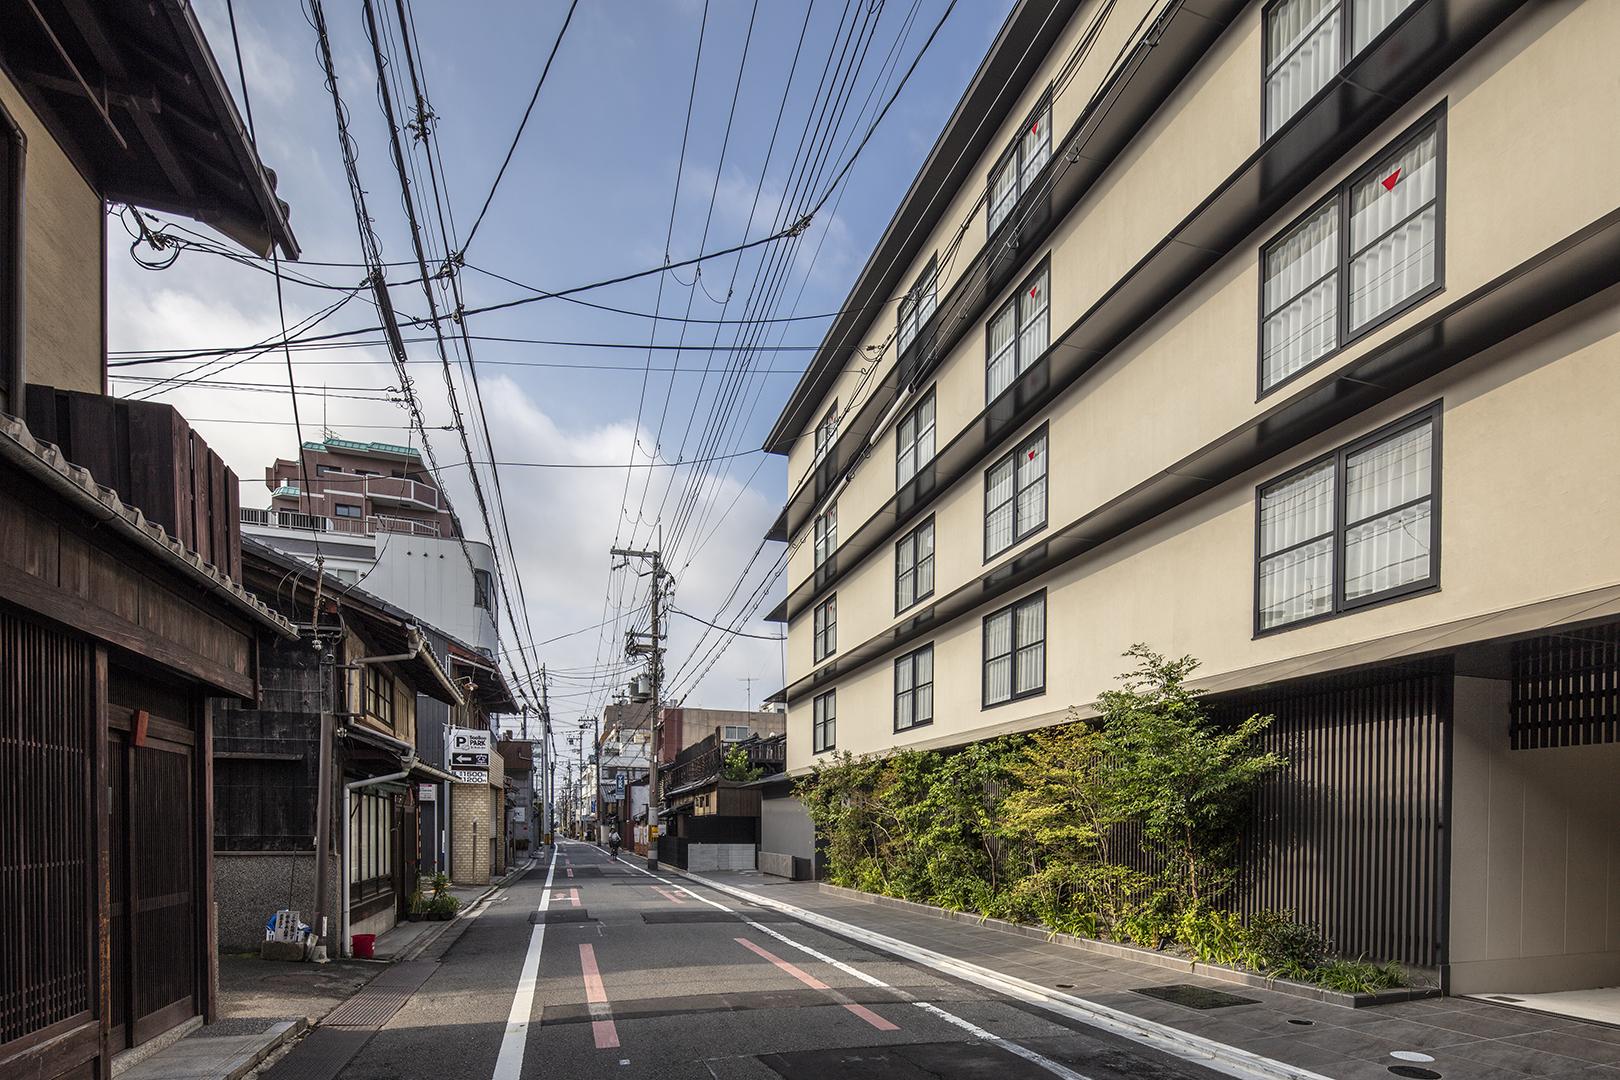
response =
{"points": [[612, 973]]}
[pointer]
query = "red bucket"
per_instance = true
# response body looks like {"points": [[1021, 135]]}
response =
{"points": [[364, 945]]}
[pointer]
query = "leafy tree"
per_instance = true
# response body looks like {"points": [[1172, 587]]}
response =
{"points": [[737, 766], [1187, 780]]}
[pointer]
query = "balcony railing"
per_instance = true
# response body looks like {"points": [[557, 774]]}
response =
{"points": [[400, 490], [366, 526]]}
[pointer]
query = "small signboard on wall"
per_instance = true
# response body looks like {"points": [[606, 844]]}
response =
{"points": [[427, 793]]}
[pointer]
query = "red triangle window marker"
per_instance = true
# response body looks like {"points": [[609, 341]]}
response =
{"points": [[1391, 180], [1033, 291], [1032, 455]]}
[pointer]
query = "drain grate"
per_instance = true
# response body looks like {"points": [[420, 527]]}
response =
{"points": [[1301, 1023], [1194, 997], [367, 1009], [553, 916], [1414, 1072]]}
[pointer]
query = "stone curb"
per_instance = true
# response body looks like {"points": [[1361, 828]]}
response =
{"points": [[1139, 955], [1230, 1060]]}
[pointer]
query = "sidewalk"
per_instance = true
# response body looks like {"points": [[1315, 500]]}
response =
{"points": [[264, 1005], [1273, 1034]]}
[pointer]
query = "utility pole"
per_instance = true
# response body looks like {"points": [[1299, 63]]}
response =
{"points": [[749, 680], [545, 758], [654, 651]]}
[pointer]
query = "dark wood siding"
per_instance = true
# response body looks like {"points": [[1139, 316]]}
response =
{"points": [[48, 847], [1566, 689], [1350, 835]]}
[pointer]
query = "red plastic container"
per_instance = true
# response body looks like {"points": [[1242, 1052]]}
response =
{"points": [[364, 945]]}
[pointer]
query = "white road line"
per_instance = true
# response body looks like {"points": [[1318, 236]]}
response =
{"points": [[1008, 1045], [509, 1065], [1061, 1071]]}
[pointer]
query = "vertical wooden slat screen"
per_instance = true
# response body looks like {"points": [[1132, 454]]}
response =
{"points": [[1349, 835], [1566, 689], [47, 844]]}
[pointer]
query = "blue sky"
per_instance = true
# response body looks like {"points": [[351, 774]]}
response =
{"points": [[587, 196]]}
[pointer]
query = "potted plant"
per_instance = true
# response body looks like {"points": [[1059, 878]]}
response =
{"points": [[417, 906], [443, 907]]}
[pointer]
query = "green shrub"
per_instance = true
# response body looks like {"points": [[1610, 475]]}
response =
{"points": [[444, 905], [1358, 976], [1273, 943], [1211, 935]]}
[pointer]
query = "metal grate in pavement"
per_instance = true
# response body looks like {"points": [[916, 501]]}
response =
{"points": [[367, 1009], [553, 916], [321, 1056], [347, 1029], [1193, 997]]}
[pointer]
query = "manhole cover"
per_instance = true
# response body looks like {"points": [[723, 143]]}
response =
{"points": [[1194, 997], [1415, 1072], [1409, 1055]]}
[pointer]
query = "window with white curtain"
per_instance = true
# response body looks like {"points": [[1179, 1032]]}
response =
{"points": [[1015, 171], [825, 431], [826, 534], [1015, 495], [914, 440], [1356, 259], [825, 640], [1321, 553], [914, 566], [824, 722], [1306, 45], [1017, 334], [914, 689], [1015, 651], [917, 306]]}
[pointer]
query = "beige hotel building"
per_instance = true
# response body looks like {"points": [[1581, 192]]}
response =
{"points": [[1286, 335]]}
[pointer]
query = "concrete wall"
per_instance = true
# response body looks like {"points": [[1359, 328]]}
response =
{"points": [[62, 261], [430, 578], [1535, 856], [249, 887], [785, 828]]}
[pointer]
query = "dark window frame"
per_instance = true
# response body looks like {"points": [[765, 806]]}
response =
{"points": [[1014, 150], [909, 303], [1040, 434], [339, 508], [825, 724], [1341, 194], [1346, 55], [828, 424], [824, 535], [483, 589], [1041, 269], [912, 538], [824, 637], [911, 659], [1012, 674], [1430, 414], [911, 415]]}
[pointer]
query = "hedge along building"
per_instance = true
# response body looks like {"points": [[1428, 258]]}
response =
{"points": [[123, 619], [1257, 332], [337, 711]]}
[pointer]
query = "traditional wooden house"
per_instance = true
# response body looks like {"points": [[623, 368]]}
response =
{"points": [[122, 615], [326, 762]]}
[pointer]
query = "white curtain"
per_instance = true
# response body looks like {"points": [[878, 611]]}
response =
{"points": [[1031, 668], [1031, 471], [1032, 317], [998, 657], [1302, 54], [1388, 548], [925, 559], [1035, 148], [998, 525], [1393, 231], [1002, 336], [1299, 582], [1301, 294], [1370, 17], [1003, 191]]}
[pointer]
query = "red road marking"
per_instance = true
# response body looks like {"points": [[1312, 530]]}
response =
{"points": [[572, 897], [816, 984], [673, 897], [607, 1036]]}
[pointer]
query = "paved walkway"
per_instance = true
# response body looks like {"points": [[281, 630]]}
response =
{"points": [[1464, 1038]]}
